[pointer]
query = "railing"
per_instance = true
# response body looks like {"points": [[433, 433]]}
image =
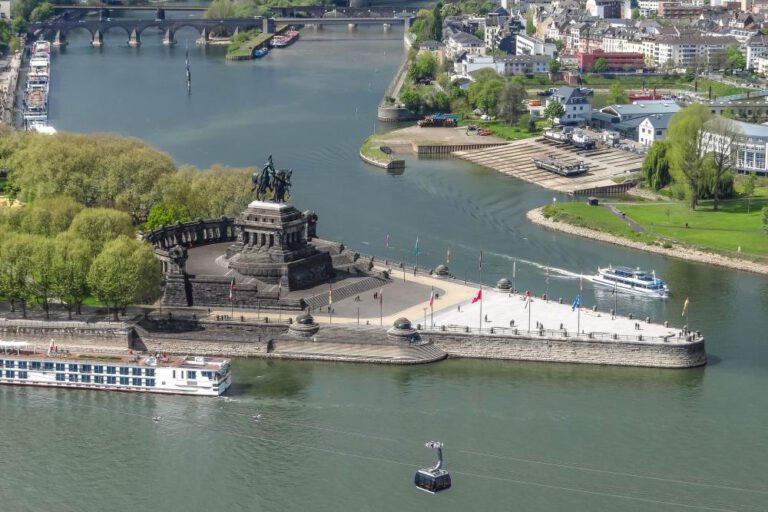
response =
{"points": [[563, 334]]}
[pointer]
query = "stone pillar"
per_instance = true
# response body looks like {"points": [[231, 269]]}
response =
{"points": [[134, 39], [160, 14], [203, 37], [387, 27], [268, 25], [97, 39], [60, 39], [168, 39], [351, 27]]}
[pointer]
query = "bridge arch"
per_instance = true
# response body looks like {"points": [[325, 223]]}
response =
{"points": [[105, 28], [79, 28]]}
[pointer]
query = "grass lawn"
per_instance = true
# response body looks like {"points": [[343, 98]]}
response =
{"points": [[514, 132], [593, 217], [93, 301], [371, 148], [245, 49]]}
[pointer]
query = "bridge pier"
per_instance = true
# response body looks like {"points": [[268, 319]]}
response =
{"points": [[268, 25], [203, 40], [103, 14], [168, 39], [60, 39], [97, 39], [351, 27], [134, 39], [160, 14], [387, 27]]}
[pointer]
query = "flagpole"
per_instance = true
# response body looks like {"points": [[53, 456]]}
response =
{"points": [[514, 274], [529, 313], [381, 309], [481, 290]]}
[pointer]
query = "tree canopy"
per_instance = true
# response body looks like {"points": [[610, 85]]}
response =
{"points": [[656, 166], [687, 143], [485, 91], [600, 65]]}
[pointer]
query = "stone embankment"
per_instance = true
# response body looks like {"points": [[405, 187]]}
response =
{"points": [[9, 82], [537, 217]]}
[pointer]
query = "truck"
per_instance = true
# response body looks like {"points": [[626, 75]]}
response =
{"points": [[439, 121]]}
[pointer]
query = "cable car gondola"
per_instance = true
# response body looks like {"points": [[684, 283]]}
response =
{"points": [[434, 479]]}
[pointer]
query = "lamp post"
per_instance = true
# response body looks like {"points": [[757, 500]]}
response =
{"points": [[425, 318]]}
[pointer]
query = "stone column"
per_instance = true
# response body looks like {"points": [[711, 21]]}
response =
{"points": [[168, 39], [60, 39], [134, 39], [97, 39]]}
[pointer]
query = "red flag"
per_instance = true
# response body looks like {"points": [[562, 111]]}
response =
{"points": [[478, 297], [432, 297], [232, 290], [381, 294]]}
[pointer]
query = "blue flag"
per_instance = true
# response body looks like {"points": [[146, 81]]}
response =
{"points": [[576, 302], [416, 247]]}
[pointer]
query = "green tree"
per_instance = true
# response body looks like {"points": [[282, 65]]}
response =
{"points": [[531, 125], [98, 226], [765, 219], [124, 272], [554, 110], [686, 137], [530, 25], [554, 65], [41, 12], [49, 216], [72, 260], [163, 214], [720, 137], [221, 9], [616, 94], [410, 99], [734, 59], [656, 166], [18, 25], [635, 13], [600, 65], [749, 184], [16, 269], [424, 67], [510, 104], [41, 273], [560, 45], [437, 23], [485, 91]]}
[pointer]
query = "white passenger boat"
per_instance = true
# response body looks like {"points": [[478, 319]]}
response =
{"points": [[633, 281], [22, 363]]}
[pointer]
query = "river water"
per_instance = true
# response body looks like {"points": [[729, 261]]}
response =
{"points": [[519, 436]]}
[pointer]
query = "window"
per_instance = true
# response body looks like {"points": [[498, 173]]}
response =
{"points": [[149, 372], [111, 369], [98, 369], [136, 382], [136, 371], [111, 380], [191, 375], [124, 370], [10, 374], [60, 367], [207, 375], [658, 132], [23, 364], [98, 379], [85, 368], [123, 381], [72, 368], [85, 378], [9, 363], [149, 382], [60, 377], [36, 365], [72, 377], [22, 375]]}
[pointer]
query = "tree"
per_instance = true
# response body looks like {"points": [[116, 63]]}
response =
{"points": [[220, 9], [49, 216], [98, 226], [531, 125], [423, 68], [600, 65], [734, 59], [687, 143], [410, 99], [554, 110], [164, 214], [765, 219], [124, 272], [41, 12], [616, 94], [18, 25], [511, 100], [530, 26], [554, 65], [16, 268], [437, 23], [41, 273], [72, 259], [559, 44], [635, 13], [485, 91], [656, 166], [719, 140]]}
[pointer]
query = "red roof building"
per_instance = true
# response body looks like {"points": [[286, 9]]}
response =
{"points": [[615, 61]]}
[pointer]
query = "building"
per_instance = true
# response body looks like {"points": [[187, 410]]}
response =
{"points": [[459, 43], [761, 66], [605, 9], [615, 61], [653, 128], [5, 9], [757, 46], [688, 50], [626, 119], [576, 103], [648, 7], [436, 48], [510, 65], [529, 45], [751, 145]]}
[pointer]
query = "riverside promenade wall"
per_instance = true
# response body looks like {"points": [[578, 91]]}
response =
{"points": [[118, 335]]}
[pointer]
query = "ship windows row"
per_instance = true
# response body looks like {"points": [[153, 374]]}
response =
{"points": [[73, 367], [100, 379]]}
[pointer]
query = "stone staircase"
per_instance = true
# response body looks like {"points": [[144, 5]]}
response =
{"points": [[357, 352], [343, 292]]}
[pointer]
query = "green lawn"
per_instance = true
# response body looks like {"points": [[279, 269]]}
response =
{"points": [[593, 217], [371, 148], [245, 49], [514, 132]]}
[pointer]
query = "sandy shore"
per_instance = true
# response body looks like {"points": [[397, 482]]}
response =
{"points": [[537, 217]]}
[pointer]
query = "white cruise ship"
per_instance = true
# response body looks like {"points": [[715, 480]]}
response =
{"points": [[22, 364], [633, 281]]}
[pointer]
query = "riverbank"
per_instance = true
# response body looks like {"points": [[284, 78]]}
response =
{"points": [[9, 84], [670, 249]]}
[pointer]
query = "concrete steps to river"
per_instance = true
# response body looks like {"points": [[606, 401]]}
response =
{"points": [[359, 352]]}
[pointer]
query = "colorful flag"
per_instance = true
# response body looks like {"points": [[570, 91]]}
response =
{"points": [[381, 295], [480, 262], [330, 294], [416, 247], [386, 243], [685, 306], [432, 297], [527, 298], [478, 297], [576, 302], [448, 256], [232, 290]]}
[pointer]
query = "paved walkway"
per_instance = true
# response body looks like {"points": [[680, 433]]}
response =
{"points": [[634, 226]]}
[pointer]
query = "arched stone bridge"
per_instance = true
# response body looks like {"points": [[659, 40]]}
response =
{"points": [[58, 30]]}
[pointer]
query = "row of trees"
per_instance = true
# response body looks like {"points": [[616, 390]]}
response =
{"points": [[428, 25], [220, 9], [56, 250]]}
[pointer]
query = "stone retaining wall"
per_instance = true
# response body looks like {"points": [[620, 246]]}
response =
{"points": [[116, 334], [621, 353]]}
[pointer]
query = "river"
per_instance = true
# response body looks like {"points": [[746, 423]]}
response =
{"points": [[519, 436]]}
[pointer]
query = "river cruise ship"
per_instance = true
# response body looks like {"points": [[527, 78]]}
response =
{"points": [[22, 363], [632, 281]]}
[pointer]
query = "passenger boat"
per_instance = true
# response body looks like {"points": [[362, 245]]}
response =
{"points": [[260, 52], [22, 363], [633, 281], [285, 39], [563, 137], [41, 47], [553, 164]]}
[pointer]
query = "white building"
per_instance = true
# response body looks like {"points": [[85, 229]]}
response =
{"points": [[510, 65], [529, 45], [648, 6], [757, 46], [751, 147], [653, 128], [761, 66], [457, 43], [577, 107], [5, 9], [686, 50]]}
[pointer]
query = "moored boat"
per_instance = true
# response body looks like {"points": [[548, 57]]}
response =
{"points": [[633, 281], [553, 164], [22, 363], [285, 39], [557, 135], [260, 52]]}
